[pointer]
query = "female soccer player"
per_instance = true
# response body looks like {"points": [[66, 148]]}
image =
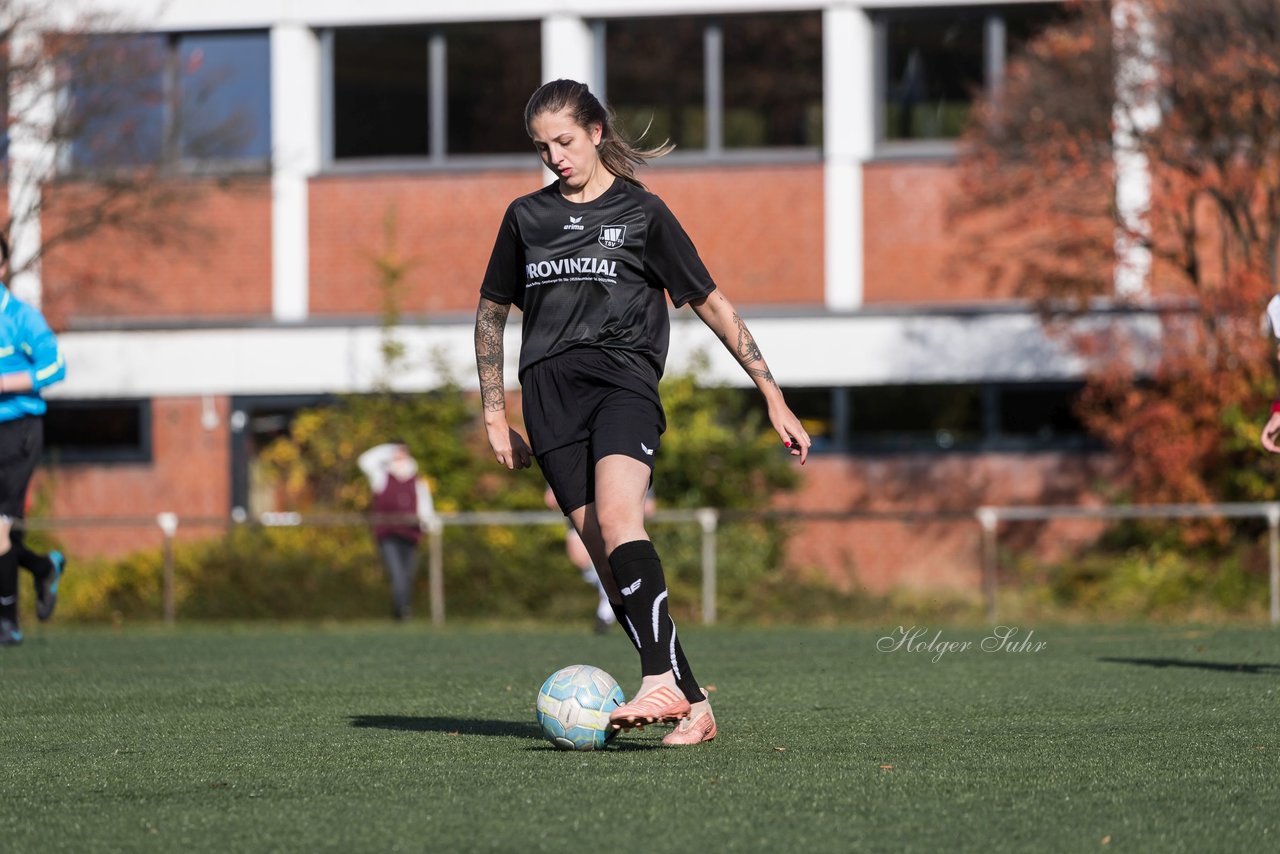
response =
{"points": [[590, 261]]}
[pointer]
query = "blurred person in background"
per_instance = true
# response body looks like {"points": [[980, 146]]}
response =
{"points": [[398, 491], [30, 360]]}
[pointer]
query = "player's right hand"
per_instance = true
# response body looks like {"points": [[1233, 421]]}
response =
{"points": [[509, 447]]}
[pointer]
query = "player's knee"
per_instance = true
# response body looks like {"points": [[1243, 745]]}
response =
{"points": [[623, 529]]}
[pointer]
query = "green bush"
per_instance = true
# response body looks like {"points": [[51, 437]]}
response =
{"points": [[1156, 580]]}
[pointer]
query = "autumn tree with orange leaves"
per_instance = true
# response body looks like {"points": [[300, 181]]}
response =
{"points": [[1179, 99]]}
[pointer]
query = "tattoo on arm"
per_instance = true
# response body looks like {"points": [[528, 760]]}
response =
{"points": [[491, 320], [748, 352]]}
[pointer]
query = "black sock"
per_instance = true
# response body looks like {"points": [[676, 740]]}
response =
{"points": [[638, 572], [9, 585]]}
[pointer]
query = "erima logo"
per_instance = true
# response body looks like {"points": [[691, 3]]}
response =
{"points": [[564, 266], [574, 224], [646, 449], [612, 236], [627, 591]]}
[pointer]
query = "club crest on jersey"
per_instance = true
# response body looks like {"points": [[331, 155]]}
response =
{"points": [[612, 236]]}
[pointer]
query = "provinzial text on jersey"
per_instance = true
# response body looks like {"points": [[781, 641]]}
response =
{"points": [[568, 266]]}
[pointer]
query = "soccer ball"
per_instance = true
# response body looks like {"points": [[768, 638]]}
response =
{"points": [[573, 707]]}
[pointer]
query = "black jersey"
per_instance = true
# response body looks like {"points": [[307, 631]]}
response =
{"points": [[594, 274]]}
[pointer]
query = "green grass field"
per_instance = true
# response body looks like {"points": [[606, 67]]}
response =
{"points": [[381, 738]]}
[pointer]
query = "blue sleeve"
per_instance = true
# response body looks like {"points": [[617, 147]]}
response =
{"points": [[41, 347]]}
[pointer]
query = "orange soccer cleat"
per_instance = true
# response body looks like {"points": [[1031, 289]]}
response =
{"points": [[661, 705], [692, 730]]}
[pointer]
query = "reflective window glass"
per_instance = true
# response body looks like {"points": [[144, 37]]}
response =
{"points": [[655, 80], [772, 80], [225, 96]]}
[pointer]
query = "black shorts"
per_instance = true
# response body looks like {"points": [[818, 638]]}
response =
{"points": [[585, 405], [20, 442]]}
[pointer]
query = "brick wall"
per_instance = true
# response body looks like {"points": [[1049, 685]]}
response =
{"points": [[759, 230], [217, 264], [934, 552], [444, 227], [910, 251], [189, 475]]}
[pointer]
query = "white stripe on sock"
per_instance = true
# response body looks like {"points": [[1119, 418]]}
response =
{"points": [[675, 668], [656, 603], [631, 630]]}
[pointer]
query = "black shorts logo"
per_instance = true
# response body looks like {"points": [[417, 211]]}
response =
{"points": [[612, 236]]}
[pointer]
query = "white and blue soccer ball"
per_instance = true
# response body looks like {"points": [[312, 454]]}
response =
{"points": [[574, 705]]}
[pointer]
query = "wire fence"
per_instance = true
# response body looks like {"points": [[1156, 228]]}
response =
{"points": [[709, 522]]}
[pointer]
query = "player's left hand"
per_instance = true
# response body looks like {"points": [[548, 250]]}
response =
{"points": [[793, 435], [1269, 433]]}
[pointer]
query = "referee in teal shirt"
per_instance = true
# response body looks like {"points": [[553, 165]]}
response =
{"points": [[30, 360]]}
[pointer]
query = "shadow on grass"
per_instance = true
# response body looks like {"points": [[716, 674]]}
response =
{"points": [[474, 726], [453, 726], [1255, 669]]}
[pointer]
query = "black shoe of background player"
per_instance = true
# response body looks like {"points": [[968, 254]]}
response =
{"points": [[603, 626], [47, 587], [9, 633]]}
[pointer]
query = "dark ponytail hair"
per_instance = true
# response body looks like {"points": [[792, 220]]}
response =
{"points": [[617, 153]]}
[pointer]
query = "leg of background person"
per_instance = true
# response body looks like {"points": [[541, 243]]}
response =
{"points": [[46, 570], [410, 562], [398, 565], [32, 561], [8, 576], [581, 558]]}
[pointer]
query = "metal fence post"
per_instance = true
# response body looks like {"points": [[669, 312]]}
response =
{"points": [[1273, 527], [435, 568], [988, 518], [709, 519], [168, 523]]}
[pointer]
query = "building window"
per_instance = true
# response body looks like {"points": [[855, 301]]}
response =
{"points": [[179, 100], [934, 62], [714, 84], [492, 72], [941, 417], [432, 92], [654, 80], [773, 81], [97, 431], [988, 417], [1042, 413], [380, 92]]}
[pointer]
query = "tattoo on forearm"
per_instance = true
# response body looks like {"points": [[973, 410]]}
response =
{"points": [[491, 320], [746, 348], [748, 352]]}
